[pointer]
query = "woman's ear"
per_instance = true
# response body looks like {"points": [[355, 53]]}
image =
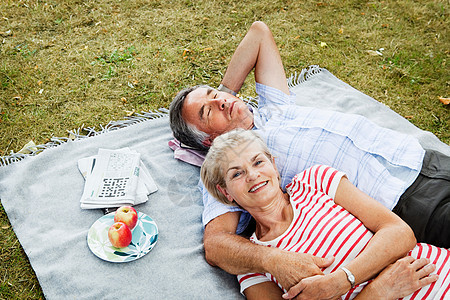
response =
{"points": [[275, 167], [225, 193]]}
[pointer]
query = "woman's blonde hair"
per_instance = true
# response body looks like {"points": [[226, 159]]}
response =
{"points": [[213, 172]]}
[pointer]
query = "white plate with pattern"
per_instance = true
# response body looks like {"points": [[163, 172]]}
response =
{"points": [[145, 236]]}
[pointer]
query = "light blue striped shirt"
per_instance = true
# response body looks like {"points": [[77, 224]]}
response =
{"points": [[381, 162]]}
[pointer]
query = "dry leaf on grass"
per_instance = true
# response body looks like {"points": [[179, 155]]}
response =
{"points": [[28, 148], [185, 52], [445, 101], [129, 113], [374, 52], [6, 33]]}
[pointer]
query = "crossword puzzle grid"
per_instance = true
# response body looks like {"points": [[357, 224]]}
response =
{"points": [[120, 162], [114, 187]]}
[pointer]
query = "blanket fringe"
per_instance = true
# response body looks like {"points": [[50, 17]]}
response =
{"points": [[82, 133], [85, 132], [296, 79], [114, 125]]}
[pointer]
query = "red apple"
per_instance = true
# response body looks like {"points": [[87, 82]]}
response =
{"points": [[119, 235], [127, 215]]}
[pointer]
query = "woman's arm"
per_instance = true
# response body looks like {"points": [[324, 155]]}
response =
{"points": [[400, 279], [392, 239], [237, 255]]}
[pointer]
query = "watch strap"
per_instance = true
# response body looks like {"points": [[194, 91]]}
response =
{"points": [[225, 89]]}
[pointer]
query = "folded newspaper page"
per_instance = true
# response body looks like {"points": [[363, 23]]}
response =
{"points": [[115, 178]]}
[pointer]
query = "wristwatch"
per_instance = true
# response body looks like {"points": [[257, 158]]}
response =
{"points": [[225, 89], [350, 276]]}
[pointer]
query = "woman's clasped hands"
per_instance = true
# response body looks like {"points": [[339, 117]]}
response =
{"points": [[399, 279], [329, 286]]}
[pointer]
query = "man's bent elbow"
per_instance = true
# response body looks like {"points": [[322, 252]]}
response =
{"points": [[412, 238], [209, 246], [406, 234]]}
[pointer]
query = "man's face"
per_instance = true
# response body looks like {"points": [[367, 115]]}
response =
{"points": [[215, 112]]}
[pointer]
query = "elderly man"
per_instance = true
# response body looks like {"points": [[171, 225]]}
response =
{"points": [[391, 167]]}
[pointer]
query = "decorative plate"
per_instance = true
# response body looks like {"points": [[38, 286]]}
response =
{"points": [[145, 236]]}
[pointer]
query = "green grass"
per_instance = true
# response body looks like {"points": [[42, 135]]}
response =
{"points": [[71, 63]]}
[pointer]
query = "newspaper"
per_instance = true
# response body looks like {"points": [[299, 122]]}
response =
{"points": [[115, 178]]}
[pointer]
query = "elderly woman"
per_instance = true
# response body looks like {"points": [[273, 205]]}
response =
{"points": [[320, 213]]}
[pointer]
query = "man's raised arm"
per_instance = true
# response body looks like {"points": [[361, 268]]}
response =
{"points": [[237, 255], [257, 51]]}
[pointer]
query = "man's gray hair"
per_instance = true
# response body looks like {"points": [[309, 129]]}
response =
{"points": [[184, 132]]}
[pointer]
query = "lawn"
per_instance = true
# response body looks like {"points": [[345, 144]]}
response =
{"points": [[68, 64]]}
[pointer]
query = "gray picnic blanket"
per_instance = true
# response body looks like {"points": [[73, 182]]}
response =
{"points": [[41, 196]]}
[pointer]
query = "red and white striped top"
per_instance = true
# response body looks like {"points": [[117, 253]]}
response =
{"points": [[323, 228]]}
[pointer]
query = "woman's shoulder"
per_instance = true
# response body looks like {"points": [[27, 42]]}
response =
{"points": [[313, 177]]}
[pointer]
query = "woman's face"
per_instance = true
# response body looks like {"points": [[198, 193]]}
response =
{"points": [[251, 177]]}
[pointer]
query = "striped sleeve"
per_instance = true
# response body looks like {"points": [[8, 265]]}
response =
{"points": [[320, 177], [250, 279], [269, 96]]}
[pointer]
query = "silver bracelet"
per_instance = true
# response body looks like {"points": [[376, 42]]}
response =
{"points": [[350, 276], [227, 90]]}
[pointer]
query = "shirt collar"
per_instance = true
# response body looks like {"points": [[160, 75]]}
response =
{"points": [[257, 119]]}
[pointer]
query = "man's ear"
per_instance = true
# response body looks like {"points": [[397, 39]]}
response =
{"points": [[224, 192], [207, 142]]}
